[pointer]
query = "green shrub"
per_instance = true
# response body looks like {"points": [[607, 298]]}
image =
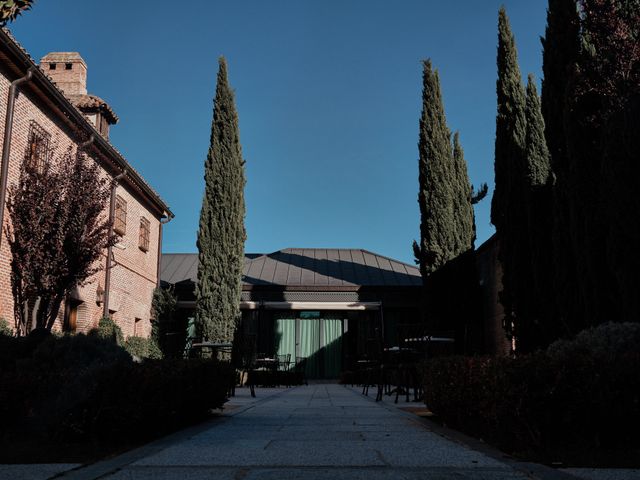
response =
{"points": [[5, 328], [142, 347], [86, 388], [108, 329], [582, 394]]}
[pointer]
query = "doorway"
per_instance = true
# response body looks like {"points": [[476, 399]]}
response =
{"points": [[313, 336]]}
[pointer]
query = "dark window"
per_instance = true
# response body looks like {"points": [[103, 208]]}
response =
{"points": [[37, 147], [68, 66], [145, 231], [52, 66], [120, 217]]}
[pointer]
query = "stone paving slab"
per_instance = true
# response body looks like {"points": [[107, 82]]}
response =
{"points": [[314, 432], [322, 473], [319, 431], [604, 473], [41, 471]]}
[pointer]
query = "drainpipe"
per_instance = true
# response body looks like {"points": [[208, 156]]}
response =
{"points": [[6, 145], [107, 275], [84, 145], [163, 221]]}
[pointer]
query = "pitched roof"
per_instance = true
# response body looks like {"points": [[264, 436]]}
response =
{"points": [[93, 102], [25, 63], [311, 267]]}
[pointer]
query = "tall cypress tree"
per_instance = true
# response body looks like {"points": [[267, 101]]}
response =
{"points": [[447, 227], [465, 231], [508, 203], [561, 46], [438, 242], [221, 236], [541, 329], [602, 101]]}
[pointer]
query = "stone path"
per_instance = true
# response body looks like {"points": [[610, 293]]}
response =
{"points": [[317, 432]]}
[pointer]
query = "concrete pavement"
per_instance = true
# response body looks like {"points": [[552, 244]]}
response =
{"points": [[319, 431]]}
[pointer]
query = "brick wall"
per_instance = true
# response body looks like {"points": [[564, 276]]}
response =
{"points": [[134, 276]]}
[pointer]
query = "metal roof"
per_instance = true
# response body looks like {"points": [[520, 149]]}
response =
{"points": [[312, 267]]}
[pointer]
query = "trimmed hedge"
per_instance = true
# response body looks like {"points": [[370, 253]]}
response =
{"points": [[580, 395], [79, 388], [139, 347]]}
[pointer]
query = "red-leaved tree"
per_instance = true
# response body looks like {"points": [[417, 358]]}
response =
{"points": [[58, 232]]}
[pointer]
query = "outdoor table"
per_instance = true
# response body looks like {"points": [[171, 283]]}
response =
{"points": [[266, 363], [214, 346]]}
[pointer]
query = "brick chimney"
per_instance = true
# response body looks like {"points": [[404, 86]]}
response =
{"points": [[67, 70]]}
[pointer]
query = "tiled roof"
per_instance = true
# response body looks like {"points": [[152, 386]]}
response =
{"points": [[7, 36], [312, 267], [90, 102]]}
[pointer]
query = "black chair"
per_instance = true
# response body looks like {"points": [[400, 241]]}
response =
{"points": [[299, 370]]}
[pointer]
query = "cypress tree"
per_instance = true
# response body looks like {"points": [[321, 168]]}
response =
{"points": [[221, 235], [561, 46], [465, 232], [508, 205], [541, 329], [447, 227], [602, 104], [438, 242]]}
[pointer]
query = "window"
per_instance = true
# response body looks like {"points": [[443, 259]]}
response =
{"points": [[68, 66], [37, 147], [120, 217], [52, 66], [137, 327], [145, 230]]}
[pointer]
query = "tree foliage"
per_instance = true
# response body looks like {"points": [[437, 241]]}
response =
{"points": [[10, 9], [561, 46], [601, 115], [57, 234], [447, 227], [508, 204], [447, 223], [222, 234]]}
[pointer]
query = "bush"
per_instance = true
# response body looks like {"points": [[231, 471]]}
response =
{"points": [[86, 388], [109, 330], [139, 347], [582, 394], [5, 328]]}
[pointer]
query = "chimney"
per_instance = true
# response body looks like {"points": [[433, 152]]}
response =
{"points": [[67, 70]]}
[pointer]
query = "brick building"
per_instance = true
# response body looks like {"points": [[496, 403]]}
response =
{"points": [[48, 107]]}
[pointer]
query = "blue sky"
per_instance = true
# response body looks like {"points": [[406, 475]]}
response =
{"points": [[328, 95]]}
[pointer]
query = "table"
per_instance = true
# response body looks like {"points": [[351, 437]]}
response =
{"points": [[215, 347]]}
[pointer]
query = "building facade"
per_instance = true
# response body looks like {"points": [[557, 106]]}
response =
{"points": [[332, 307], [46, 108]]}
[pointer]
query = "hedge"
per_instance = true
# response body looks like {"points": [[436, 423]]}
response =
{"points": [[577, 395], [78, 388]]}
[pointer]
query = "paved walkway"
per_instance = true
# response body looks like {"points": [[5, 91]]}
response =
{"points": [[316, 432]]}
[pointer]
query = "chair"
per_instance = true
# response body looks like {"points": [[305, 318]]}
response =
{"points": [[299, 371], [283, 362]]}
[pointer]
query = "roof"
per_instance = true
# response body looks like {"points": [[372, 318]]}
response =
{"points": [[63, 57], [93, 102], [57, 97], [308, 267]]}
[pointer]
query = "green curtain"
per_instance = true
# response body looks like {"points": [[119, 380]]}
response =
{"points": [[285, 337], [332, 332], [310, 346]]}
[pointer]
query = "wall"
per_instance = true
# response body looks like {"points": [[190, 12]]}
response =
{"points": [[135, 275]]}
